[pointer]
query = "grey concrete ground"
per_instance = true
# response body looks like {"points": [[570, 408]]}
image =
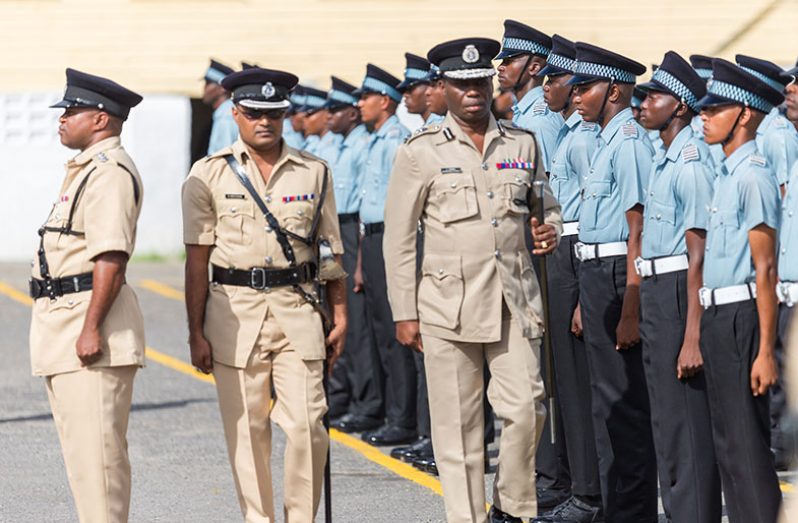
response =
{"points": [[180, 467]]}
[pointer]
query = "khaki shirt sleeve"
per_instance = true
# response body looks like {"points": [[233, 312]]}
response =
{"points": [[551, 207], [199, 216], [328, 225], [407, 194], [110, 211]]}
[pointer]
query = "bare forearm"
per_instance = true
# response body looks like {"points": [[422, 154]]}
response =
{"points": [[336, 295], [631, 301], [108, 277], [695, 280], [196, 284], [767, 308]]}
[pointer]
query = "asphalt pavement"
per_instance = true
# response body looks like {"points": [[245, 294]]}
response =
{"points": [[177, 450]]}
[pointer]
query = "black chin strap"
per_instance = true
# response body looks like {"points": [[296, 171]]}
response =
{"points": [[733, 128], [670, 118], [568, 100], [604, 103], [518, 83]]}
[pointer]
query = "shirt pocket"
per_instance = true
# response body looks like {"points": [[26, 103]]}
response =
{"points": [[454, 197], [515, 186], [594, 196], [441, 290], [661, 222], [235, 220], [726, 227], [297, 217]]}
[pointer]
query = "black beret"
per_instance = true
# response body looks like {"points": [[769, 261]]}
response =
{"points": [[677, 77], [260, 88], [341, 94], [521, 39], [465, 57], [561, 59], [416, 72], [88, 90], [594, 63], [731, 84], [766, 71]]}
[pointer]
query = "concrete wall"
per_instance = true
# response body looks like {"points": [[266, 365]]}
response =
{"points": [[156, 136]]}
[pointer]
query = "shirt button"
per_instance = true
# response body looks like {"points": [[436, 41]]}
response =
{"points": [[70, 302], [494, 222], [268, 229], [497, 253], [233, 209], [268, 260], [651, 193], [484, 166], [784, 250], [268, 199], [440, 271], [300, 212], [490, 194], [789, 214], [452, 185], [659, 216]]}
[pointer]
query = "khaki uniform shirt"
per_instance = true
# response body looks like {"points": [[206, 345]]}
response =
{"points": [[474, 212], [218, 211], [105, 213]]}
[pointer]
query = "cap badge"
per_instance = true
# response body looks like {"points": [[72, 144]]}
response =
{"points": [[267, 90], [470, 54]]}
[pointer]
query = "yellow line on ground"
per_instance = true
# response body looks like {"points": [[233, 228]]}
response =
{"points": [[176, 364], [162, 289], [787, 488], [14, 294]]}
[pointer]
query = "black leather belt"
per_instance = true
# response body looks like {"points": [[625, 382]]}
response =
{"points": [[57, 287], [374, 228], [348, 217], [261, 278]]}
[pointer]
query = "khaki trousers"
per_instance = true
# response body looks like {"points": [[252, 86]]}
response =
{"points": [[299, 405], [455, 383], [91, 409]]}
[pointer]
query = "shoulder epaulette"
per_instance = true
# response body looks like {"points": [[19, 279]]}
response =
{"points": [[780, 122], [510, 125], [448, 134], [423, 131], [540, 108], [629, 130], [690, 153], [588, 126], [757, 159], [393, 133]]}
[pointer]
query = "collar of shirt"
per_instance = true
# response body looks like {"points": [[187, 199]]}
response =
{"points": [[678, 143], [287, 154], [491, 133], [85, 156], [573, 120], [608, 132], [529, 99], [767, 121], [733, 162], [353, 136]]}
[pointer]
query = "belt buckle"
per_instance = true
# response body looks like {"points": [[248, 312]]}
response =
{"points": [[639, 264], [253, 278], [705, 296], [581, 251]]}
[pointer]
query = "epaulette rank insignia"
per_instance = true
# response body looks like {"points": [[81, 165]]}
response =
{"points": [[448, 134], [629, 130], [588, 126], [690, 153], [517, 163], [757, 160], [299, 198], [101, 157], [540, 108]]}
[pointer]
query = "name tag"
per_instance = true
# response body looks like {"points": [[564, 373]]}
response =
{"points": [[235, 197], [451, 170]]}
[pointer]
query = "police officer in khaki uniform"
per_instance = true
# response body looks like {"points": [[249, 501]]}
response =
{"points": [[87, 332], [470, 182], [256, 211]]}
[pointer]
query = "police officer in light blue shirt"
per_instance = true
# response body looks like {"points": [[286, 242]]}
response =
{"points": [[523, 55], [738, 327], [293, 125], [671, 263], [415, 84], [224, 130], [436, 101], [610, 223], [570, 162], [702, 65], [317, 140], [379, 98], [776, 137]]}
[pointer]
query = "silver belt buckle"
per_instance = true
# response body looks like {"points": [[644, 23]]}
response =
{"points": [[640, 263], [705, 297], [253, 279]]}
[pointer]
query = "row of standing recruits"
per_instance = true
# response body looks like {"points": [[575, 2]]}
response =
{"points": [[661, 233]]}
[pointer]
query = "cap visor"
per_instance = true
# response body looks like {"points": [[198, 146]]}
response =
{"points": [[652, 86], [553, 70], [712, 100], [507, 53], [579, 79], [62, 104]]}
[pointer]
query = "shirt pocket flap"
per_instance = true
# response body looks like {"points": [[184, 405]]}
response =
{"points": [[599, 189], [441, 266], [663, 212], [235, 208]]}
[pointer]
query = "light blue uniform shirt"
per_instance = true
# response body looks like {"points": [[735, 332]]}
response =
{"points": [[788, 234], [616, 181], [224, 130], [377, 169], [571, 162], [434, 119], [329, 146], [746, 195], [291, 136], [679, 193], [347, 170], [532, 113], [777, 141]]}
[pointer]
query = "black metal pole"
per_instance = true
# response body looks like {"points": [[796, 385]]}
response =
{"points": [[327, 472], [544, 295]]}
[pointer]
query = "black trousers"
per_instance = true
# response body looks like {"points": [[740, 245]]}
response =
{"points": [[688, 474], [740, 421], [778, 396], [571, 372], [621, 415], [355, 387], [398, 365]]}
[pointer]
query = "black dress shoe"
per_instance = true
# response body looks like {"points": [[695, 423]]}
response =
{"points": [[549, 498], [497, 516], [421, 448], [574, 510], [354, 423], [389, 435], [427, 465]]}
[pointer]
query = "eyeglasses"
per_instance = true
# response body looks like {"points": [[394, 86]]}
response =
{"points": [[258, 114]]}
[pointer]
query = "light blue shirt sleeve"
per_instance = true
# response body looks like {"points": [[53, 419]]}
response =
{"points": [[788, 232], [694, 190], [759, 199], [532, 113], [632, 168]]}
